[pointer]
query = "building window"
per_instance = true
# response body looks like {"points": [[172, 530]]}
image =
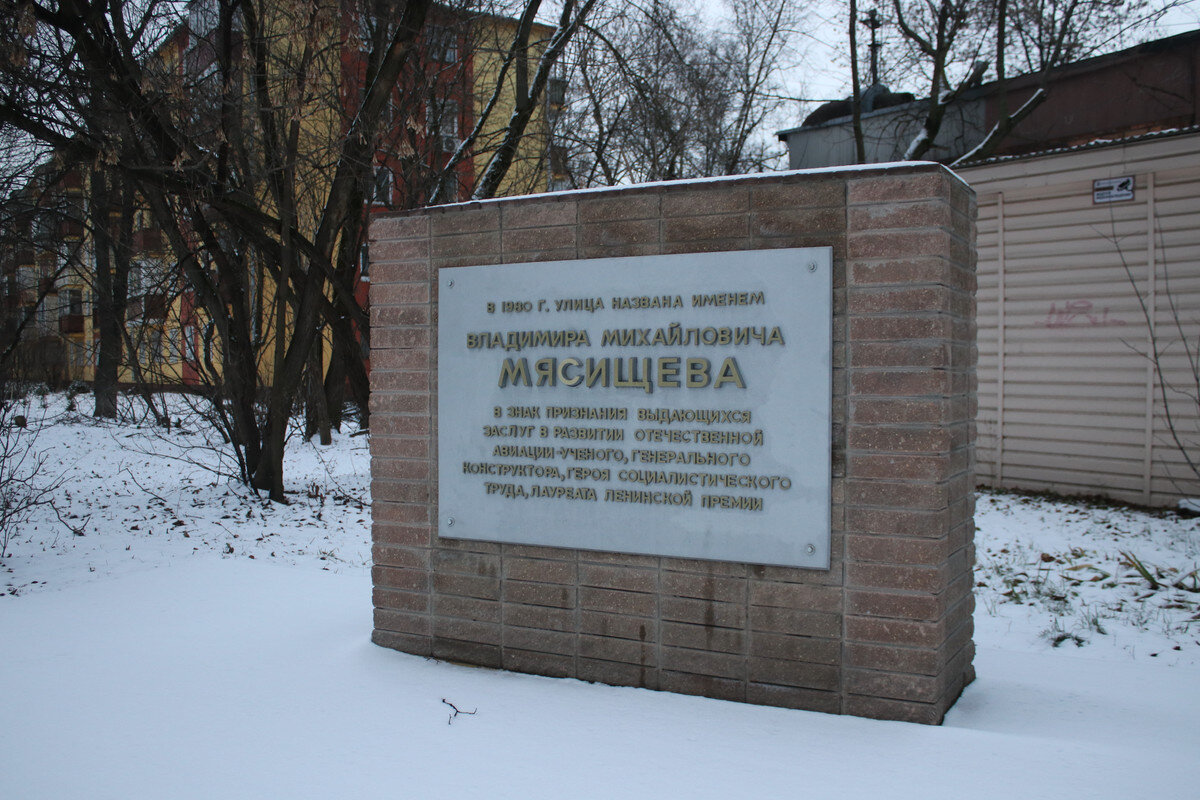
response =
{"points": [[79, 356], [442, 44], [189, 344], [382, 193], [175, 344], [202, 17], [364, 262], [138, 277], [388, 121], [556, 91], [441, 120], [366, 32], [149, 345], [147, 277], [45, 228]]}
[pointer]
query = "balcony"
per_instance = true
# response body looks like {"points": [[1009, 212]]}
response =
{"points": [[147, 240], [154, 306], [70, 229], [70, 323]]}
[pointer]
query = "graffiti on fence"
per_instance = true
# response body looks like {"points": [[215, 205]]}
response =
{"points": [[1080, 314]]}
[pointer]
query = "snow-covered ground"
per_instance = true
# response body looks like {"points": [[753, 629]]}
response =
{"points": [[137, 497], [192, 641], [1068, 575]]}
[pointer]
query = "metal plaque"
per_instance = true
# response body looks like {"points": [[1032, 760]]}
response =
{"points": [[674, 405], [1112, 190]]}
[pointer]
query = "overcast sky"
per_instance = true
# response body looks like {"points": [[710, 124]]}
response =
{"points": [[820, 74]]}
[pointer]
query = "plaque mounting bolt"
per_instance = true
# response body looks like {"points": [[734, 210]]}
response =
{"points": [[450, 283], [812, 548], [450, 523], [812, 266]]}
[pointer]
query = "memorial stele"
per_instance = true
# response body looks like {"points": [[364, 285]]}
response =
{"points": [[671, 405]]}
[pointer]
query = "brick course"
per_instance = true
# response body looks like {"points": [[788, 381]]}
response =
{"points": [[886, 631]]}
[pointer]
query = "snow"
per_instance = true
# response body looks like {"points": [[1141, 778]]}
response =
{"points": [[965, 161], [1063, 574], [144, 498], [884, 166], [176, 668]]}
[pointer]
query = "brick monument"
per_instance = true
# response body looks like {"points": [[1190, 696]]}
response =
{"points": [[884, 630]]}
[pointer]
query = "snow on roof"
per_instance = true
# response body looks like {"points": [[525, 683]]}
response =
{"points": [[1090, 145]]}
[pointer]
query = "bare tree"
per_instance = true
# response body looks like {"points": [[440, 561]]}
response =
{"points": [[524, 52], [860, 152], [41, 248], [954, 43], [1173, 350], [1049, 33], [528, 90], [1043, 34], [933, 32], [255, 140], [656, 96], [112, 209]]}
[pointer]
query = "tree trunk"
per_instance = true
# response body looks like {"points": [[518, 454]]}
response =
{"points": [[357, 379], [109, 321], [528, 94], [334, 389], [860, 149], [347, 369], [268, 476], [316, 412]]}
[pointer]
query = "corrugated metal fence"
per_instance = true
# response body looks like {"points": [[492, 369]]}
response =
{"points": [[1074, 295]]}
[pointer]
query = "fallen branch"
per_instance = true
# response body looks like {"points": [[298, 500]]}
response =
{"points": [[457, 711]]}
